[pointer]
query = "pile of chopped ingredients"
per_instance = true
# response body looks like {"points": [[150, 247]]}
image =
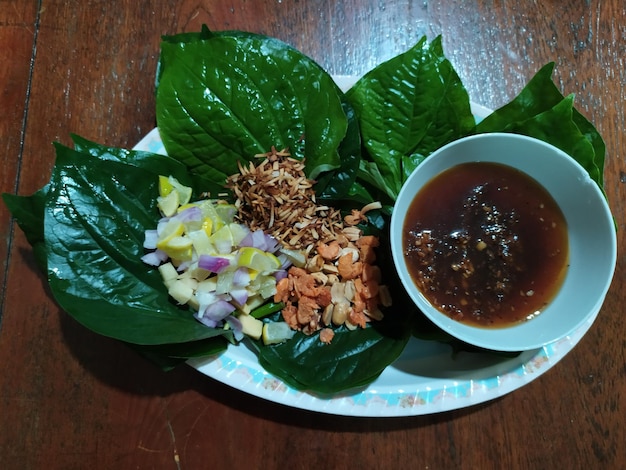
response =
{"points": [[334, 280], [274, 249]]}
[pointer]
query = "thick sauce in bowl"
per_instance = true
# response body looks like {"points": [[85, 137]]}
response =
{"points": [[486, 244]]}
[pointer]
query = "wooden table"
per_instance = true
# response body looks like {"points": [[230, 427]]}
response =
{"points": [[71, 399]]}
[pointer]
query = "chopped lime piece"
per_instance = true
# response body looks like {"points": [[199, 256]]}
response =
{"points": [[258, 260], [168, 205], [165, 187], [239, 232], [222, 240], [201, 242], [226, 212], [276, 332], [173, 228], [209, 212], [178, 248], [207, 226], [297, 257], [184, 192]]}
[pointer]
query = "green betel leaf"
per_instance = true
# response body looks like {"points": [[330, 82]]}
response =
{"points": [[539, 95], [28, 212], [556, 126], [596, 140], [155, 163], [184, 351], [541, 111], [338, 183], [230, 96], [408, 107], [168, 356], [151, 162], [352, 359], [96, 213]]}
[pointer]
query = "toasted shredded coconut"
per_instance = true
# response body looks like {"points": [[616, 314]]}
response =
{"points": [[277, 197]]}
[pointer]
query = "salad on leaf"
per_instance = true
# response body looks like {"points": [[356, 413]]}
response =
{"points": [[268, 217]]}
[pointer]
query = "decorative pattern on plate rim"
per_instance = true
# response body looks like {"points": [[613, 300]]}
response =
{"points": [[385, 400]]}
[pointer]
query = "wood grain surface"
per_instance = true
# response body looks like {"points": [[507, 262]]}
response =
{"points": [[70, 399]]}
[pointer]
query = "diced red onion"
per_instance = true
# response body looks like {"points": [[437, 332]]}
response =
{"points": [[206, 321], [285, 262], [236, 326], [150, 239], [204, 300], [183, 266], [248, 240], [241, 278], [215, 264], [218, 310], [280, 274], [240, 296], [223, 246], [259, 239], [191, 214], [154, 258], [271, 244], [225, 297], [161, 224]]}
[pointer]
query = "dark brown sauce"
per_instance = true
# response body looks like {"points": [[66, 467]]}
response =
{"points": [[486, 244]]}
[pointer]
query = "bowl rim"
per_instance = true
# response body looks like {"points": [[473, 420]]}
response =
{"points": [[506, 338]]}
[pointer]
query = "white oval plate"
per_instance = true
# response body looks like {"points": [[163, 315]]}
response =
{"points": [[427, 378]]}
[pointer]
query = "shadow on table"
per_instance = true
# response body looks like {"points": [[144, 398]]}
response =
{"points": [[116, 365]]}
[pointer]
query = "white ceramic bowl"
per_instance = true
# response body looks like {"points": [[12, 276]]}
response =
{"points": [[591, 232]]}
